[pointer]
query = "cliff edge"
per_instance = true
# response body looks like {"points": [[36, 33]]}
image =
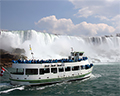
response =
{"points": [[7, 57]]}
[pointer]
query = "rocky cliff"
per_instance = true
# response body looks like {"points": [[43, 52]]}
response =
{"points": [[7, 57]]}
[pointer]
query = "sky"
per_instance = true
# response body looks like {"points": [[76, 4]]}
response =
{"points": [[67, 17]]}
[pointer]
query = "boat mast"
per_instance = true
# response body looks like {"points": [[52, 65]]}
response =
{"points": [[31, 52]]}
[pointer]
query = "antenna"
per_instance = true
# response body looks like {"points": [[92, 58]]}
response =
{"points": [[31, 52], [72, 49]]}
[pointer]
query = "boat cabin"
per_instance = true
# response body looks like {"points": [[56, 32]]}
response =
{"points": [[75, 56], [51, 69]]}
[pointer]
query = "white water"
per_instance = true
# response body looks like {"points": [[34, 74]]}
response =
{"points": [[12, 89], [44, 45]]}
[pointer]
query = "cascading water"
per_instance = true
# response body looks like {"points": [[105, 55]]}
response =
{"points": [[45, 46]]}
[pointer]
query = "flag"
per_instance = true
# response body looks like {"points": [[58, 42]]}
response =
{"points": [[30, 47], [2, 71]]}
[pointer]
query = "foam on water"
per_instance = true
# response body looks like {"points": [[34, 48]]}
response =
{"points": [[95, 76], [12, 89]]}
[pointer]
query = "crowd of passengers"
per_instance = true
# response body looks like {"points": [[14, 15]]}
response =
{"points": [[49, 61]]}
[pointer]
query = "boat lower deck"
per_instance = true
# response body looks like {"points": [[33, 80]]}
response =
{"points": [[49, 81]]}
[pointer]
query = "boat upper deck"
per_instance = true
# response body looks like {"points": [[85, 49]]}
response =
{"points": [[49, 61]]}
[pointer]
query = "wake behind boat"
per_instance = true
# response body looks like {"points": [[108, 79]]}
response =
{"points": [[39, 72]]}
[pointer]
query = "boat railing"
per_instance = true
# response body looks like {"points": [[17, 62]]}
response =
{"points": [[87, 66], [50, 60]]}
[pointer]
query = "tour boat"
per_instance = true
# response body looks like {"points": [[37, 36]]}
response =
{"points": [[42, 72]]}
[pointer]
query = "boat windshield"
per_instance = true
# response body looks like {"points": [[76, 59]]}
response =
{"points": [[81, 53], [72, 53]]}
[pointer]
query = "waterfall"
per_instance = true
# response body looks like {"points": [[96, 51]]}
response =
{"points": [[45, 46]]}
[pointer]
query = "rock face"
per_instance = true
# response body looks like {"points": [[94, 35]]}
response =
{"points": [[118, 34], [7, 57]]}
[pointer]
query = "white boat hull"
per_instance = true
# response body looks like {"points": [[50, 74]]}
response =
{"points": [[33, 81], [51, 72]]}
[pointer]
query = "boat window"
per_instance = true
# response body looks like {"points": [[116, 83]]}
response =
{"points": [[80, 54], [31, 71], [67, 68], [53, 70], [82, 67], [41, 71], [87, 66], [44, 70], [19, 71], [74, 68], [61, 69]]}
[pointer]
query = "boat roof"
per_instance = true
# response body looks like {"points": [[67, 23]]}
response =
{"points": [[77, 52]]}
